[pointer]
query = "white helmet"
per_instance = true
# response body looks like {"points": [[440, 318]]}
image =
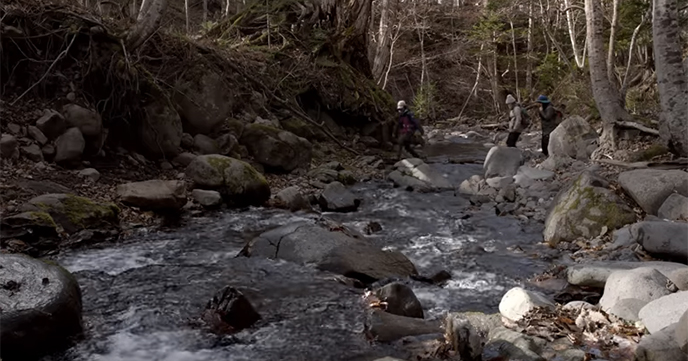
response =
{"points": [[401, 105]]}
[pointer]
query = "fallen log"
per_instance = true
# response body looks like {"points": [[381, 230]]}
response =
{"points": [[640, 127]]}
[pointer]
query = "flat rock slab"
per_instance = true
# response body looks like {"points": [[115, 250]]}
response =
{"points": [[660, 346], [666, 240], [644, 284], [595, 274], [386, 327], [674, 208]]}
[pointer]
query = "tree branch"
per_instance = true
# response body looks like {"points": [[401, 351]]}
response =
{"points": [[640, 127]]}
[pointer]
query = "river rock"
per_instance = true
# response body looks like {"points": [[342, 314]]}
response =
{"points": [[88, 121], [505, 344], [573, 138], [400, 300], [277, 149], [229, 311], [184, 159], [187, 141], [324, 174], [49, 152], [204, 101], [583, 209], [74, 213], [336, 198], [30, 226], [467, 332], [502, 162], [470, 186], [208, 199], [70, 146], [578, 306], [664, 311], [418, 175], [627, 309], [292, 199], [226, 143], [526, 176], [595, 274], [645, 284], [651, 187], [660, 346], [679, 277], [204, 144], [674, 208], [89, 173], [52, 124], [681, 333], [32, 152], [332, 251], [518, 302], [37, 135], [667, 240], [387, 327], [41, 307], [555, 163], [161, 130], [238, 182], [8, 146], [157, 195], [303, 129]]}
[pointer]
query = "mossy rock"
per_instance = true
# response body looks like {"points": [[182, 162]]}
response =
{"points": [[276, 149], [72, 212], [584, 209], [303, 129], [239, 183], [649, 153]]}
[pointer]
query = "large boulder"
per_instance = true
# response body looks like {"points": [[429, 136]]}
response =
{"points": [[70, 146], [674, 208], [88, 121], [660, 346], [8, 146], [208, 199], [518, 302], [662, 239], [292, 199], [204, 101], [336, 198], [52, 124], [332, 251], [595, 274], [415, 174], [467, 332], [41, 308], [583, 209], [74, 213], [681, 333], [157, 195], [502, 162], [161, 132], [303, 129], [400, 300], [644, 284], [664, 311], [276, 149], [238, 182], [651, 187], [573, 138]]}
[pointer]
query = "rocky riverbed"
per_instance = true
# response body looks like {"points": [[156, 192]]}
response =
{"points": [[475, 252]]}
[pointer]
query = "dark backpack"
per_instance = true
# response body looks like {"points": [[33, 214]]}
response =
{"points": [[525, 117]]}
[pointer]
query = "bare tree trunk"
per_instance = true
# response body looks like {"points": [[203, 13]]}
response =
{"points": [[529, 63], [147, 22], [612, 41], [391, 53], [186, 14], [382, 51], [671, 76], [624, 85], [513, 44], [580, 60], [606, 96]]}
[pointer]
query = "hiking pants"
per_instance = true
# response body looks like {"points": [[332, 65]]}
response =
{"points": [[545, 144], [405, 141], [512, 139]]}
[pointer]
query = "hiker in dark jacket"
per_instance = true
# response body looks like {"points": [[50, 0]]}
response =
{"points": [[405, 128], [548, 121]]}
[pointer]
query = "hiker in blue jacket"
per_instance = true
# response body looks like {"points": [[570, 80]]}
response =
{"points": [[405, 128]]}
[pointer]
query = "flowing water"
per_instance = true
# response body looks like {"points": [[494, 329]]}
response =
{"points": [[142, 298]]}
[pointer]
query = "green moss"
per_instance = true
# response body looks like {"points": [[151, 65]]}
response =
{"points": [[63, 270], [81, 210], [219, 163], [649, 153], [43, 219]]}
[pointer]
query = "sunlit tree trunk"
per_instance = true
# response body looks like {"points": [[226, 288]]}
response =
{"points": [[529, 63], [671, 76], [606, 95], [571, 25], [612, 41], [513, 44], [384, 38]]}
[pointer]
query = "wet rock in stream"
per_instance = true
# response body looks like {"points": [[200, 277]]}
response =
{"points": [[229, 311]]}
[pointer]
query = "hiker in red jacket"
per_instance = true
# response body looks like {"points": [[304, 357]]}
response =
{"points": [[405, 128]]}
